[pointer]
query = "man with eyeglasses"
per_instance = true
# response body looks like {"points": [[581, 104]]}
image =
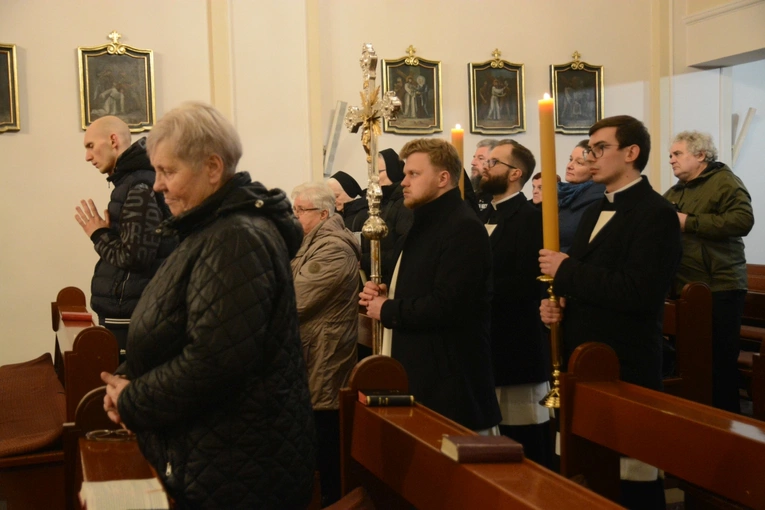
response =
{"points": [[519, 352], [619, 269], [436, 311]]}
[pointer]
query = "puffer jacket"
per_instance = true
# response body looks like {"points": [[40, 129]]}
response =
{"points": [[719, 210], [326, 272], [129, 249], [218, 395]]}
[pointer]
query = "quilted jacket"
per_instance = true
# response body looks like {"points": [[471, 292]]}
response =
{"points": [[129, 250], [218, 395]]}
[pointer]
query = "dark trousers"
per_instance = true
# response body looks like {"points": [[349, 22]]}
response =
{"points": [[727, 308], [643, 495], [328, 457], [121, 334], [536, 441]]}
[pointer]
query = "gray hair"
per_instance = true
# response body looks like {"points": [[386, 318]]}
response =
{"points": [[318, 193], [196, 131], [697, 143], [487, 142]]}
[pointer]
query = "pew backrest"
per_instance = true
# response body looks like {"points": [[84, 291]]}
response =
{"points": [[688, 320], [395, 454], [602, 417]]}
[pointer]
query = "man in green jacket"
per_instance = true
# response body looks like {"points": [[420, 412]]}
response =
{"points": [[715, 212]]}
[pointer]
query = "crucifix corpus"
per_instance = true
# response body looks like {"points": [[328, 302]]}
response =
{"points": [[368, 118]]}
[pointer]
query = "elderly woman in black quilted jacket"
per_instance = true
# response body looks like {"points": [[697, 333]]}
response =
{"points": [[215, 383]]}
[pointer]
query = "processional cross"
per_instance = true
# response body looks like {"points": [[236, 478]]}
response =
{"points": [[368, 118]]}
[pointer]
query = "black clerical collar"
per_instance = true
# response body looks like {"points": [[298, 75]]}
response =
{"points": [[498, 203], [629, 195]]}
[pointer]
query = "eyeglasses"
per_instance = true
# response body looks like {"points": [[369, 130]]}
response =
{"points": [[491, 163], [597, 150], [300, 210]]}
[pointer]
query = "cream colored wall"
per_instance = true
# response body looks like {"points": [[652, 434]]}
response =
{"points": [[533, 32], [724, 33], [270, 80], [277, 68], [708, 99], [42, 249]]}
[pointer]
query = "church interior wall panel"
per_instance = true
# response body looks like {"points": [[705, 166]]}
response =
{"points": [[45, 174], [44, 170], [749, 92], [536, 34], [271, 91], [701, 96]]}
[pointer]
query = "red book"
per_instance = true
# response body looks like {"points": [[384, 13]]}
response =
{"points": [[479, 449], [77, 316], [385, 398]]}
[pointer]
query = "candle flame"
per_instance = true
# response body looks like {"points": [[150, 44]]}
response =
{"points": [[457, 127], [547, 96]]}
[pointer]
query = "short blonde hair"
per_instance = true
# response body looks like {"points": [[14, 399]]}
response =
{"points": [[441, 154], [196, 131]]}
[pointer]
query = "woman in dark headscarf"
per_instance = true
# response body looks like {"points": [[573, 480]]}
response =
{"points": [[397, 217], [575, 194], [349, 200]]}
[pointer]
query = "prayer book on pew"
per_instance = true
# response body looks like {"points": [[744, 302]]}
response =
{"points": [[385, 398], [133, 494], [481, 449], [76, 316]]}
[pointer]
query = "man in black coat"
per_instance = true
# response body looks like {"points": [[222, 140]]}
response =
{"points": [[125, 238], [438, 304], [520, 353], [617, 273]]}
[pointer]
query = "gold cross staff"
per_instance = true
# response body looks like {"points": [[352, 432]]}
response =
{"points": [[368, 118]]}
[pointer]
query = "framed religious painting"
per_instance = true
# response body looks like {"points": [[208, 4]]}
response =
{"points": [[9, 89], [497, 97], [116, 79], [577, 89], [417, 83]]}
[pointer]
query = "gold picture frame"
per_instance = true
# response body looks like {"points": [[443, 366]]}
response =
{"points": [[497, 96], [116, 79], [9, 89], [578, 90], [417, 83]]}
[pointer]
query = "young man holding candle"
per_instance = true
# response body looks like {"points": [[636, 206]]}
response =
{"points": [[617, 273], [519, 351], [437, 309]]}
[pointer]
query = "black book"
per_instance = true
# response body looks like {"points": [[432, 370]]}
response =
{"points": [[385, 398]]}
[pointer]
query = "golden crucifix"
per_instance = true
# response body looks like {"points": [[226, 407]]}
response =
{"points": [[368, 118]]}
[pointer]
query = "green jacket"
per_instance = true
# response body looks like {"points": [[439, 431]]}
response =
{"points": [[719, 210]]}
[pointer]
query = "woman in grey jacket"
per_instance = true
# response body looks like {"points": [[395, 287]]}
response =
{"points": [[326, 274]]}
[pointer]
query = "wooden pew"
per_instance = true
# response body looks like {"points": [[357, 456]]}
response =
{"points": [[601, 417], [754, 305], [752, 370], [82, 349], [32, 410], [688, 320], [395, 454], [96, 460], [753, 338]]}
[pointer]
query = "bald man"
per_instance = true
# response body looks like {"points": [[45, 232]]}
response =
{"points": [[129, 249]]}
